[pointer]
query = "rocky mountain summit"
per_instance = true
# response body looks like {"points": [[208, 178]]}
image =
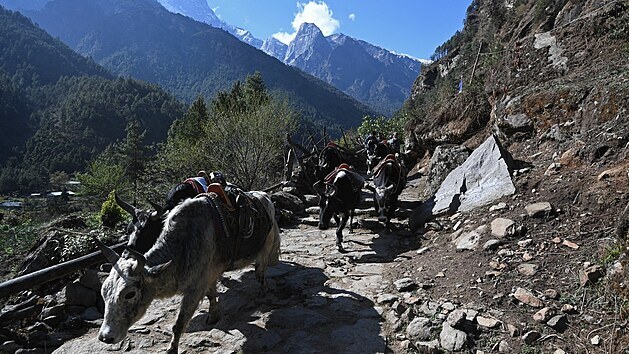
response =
{"points": [[200, 10], [371, 74]]}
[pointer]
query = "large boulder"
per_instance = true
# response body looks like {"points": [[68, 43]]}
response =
{"points": [[287, 201], [443, 161], [483, 178]]}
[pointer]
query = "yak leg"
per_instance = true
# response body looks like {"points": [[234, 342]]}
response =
{"points": [[339, 232], [260, 270], [189, 304], [351, 221], [214, 314], [269, 255]]}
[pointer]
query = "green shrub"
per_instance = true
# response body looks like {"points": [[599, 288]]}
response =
{"points": [[16, 237], [103, 175], [382, 125], [110, 213]]}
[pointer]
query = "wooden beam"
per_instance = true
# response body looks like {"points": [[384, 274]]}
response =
{"points": [[297, 145], [267, 190], [55, 272]]}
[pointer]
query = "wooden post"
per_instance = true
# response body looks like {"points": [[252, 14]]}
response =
{"points": [[344, 139], [476, 62], [55, 272], [290, 164]]}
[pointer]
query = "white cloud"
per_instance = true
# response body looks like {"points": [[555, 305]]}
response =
{"points": [[284, 37], [352, 17], [313, 12]]}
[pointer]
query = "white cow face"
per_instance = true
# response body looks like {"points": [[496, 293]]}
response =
{"points": [[127, 294], [125, 300]]}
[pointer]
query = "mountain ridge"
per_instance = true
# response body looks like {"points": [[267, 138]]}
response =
{"points": [[58, 110], [185, 56], [385, 95]]}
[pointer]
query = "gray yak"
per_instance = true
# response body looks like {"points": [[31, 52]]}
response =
{"points": [[193, 250]]}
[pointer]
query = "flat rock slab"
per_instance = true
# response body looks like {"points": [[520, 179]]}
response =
{"points": [[483, 178], [451, 338], [502, 227], [469, 240], [538, 210], [528, 269], [527, 297]]}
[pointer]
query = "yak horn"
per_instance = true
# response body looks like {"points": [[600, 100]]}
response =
{"points": [[109, 253], [160, 210], [126, 206]]}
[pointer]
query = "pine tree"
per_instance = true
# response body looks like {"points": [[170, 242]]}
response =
{"points": [[255, 89], [183, 154], [133, 155]]}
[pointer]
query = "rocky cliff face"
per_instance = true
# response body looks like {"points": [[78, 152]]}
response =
{"points": [[274, 48], [529, 69], [550, 80], [371, 74]]}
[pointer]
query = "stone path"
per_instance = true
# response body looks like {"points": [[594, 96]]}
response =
{"points": [[318, 301]]}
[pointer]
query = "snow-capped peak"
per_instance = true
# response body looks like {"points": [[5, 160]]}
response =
{"points": [[199, 10]]}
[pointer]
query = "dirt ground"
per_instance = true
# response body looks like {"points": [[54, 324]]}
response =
{"points": [[587, 209]]}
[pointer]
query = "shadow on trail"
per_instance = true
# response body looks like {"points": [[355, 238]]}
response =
{"points": [[298, 314], [387, 247]]}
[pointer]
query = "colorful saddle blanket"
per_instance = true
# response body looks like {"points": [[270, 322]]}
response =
{"points": [[389, 158]]}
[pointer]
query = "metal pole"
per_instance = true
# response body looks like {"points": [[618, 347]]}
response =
{"points": [[55, 272]]}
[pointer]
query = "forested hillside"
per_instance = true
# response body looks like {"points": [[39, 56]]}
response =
{"points": [[15, 122], [143, 40], [58, 110], [30, 59]]}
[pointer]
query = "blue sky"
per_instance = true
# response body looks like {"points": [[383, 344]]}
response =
{"points": [[413, 27]]}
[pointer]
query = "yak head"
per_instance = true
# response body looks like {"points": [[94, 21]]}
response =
{"points": [[339, 197], [386, 191], [127, 292], [145, 227], [329, 158], [383, 199]]}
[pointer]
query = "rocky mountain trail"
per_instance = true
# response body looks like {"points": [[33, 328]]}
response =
{"points": [[528, 272]]}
